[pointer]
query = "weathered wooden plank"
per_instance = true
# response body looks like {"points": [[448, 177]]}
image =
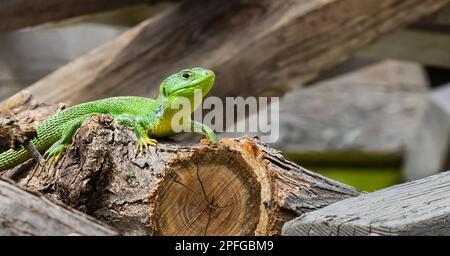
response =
{"points": [[426, 41], [426, 47], [421, 207], [256, 47], [374, 127], [24, 213], [15, 14], [387, 100], [442, 17]]}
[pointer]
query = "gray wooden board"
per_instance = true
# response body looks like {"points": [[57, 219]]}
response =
{"points": [[23, 213], [373, 110], [420, 207]]}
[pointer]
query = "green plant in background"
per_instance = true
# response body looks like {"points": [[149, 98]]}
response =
{"points": [[366, 171], [363, 178]]}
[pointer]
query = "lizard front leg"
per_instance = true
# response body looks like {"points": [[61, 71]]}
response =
{"points": [[141, 133], [208, 132]]}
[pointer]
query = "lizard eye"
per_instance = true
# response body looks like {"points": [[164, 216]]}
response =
{"points": [[186, 75]]}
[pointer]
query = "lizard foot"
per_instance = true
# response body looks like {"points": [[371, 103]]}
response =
{"points": [[55, 152], [144, 143], [212, 138]]}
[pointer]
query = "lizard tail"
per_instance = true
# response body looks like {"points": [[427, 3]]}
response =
{"points": [[12, 158]]}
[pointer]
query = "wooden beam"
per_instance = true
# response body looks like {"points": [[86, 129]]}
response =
{"points": [[426, 41], [381, 105], [15, 14], [263, 48], [417, 208], [442, 17], [427, 46], [24, 213]]}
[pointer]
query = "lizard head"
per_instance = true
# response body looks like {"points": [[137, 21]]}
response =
{"points": [[186, 82]]}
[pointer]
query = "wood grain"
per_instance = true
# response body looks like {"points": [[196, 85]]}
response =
{"points": [[24, 213], [421, 207], [420, 45]]}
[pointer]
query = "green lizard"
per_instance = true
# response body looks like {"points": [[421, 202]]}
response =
{"points": [[149, 118]]}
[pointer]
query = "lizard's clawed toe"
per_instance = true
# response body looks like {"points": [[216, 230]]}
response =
{"points": [[55, 152], [145, 143]]}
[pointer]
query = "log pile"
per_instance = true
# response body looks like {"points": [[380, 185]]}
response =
{"points": [[236, 187], [103, 185]]}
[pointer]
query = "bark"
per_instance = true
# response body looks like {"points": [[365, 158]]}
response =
{"points": [[19, 117]]}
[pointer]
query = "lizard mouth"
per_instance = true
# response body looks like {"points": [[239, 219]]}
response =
{"points": [[196, 84]]}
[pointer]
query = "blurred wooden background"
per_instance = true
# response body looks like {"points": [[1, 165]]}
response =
{"points": [[372, 69]]}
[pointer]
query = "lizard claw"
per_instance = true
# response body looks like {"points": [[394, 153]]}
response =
{"points": [[145, 143], [55, 152]]}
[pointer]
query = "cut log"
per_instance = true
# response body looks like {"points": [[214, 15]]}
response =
{"points": [[24, 213], [236, 187], [15, 14], [257, 48], [421, 207]]}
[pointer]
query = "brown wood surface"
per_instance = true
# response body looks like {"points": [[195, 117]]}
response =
{"points": [[19, 117], [256, 47], [423, 44], [15, 14]]}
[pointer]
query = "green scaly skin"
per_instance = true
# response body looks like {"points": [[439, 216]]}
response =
{"points": [[149, 118]]}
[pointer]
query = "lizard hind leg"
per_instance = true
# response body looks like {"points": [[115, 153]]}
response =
{"points": [[57, 149]]}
